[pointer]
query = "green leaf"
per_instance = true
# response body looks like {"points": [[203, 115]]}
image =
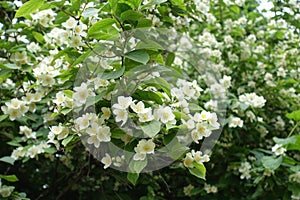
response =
{"points": [[295, 168], [235, 9], [131, 15], [9, 66], [149, 44], [142, 22], [3, 117], [199, 170], [134, 4], [152, 128], [92, 100], [66, 111], [67, 140], [38, 36], [170, 59], [103, 30], [148, 96], [270, 162], [280, 35], [28, 8], [133, 177], [295, 115], [68, 93], [114, 74], [81, 58], [140, 56], [179, 3], [113, 4], [8, 159], [136, 166], [283, 141], [181, 115], [10, 178]]}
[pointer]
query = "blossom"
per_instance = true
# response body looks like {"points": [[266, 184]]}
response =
{"points": [[199, 132], [244, 169], [106, 112], [236, 122], [98, 134], [123, 102], [82, 122], [204, 115], [164, 114], [253, 100], [144, 147], [121, 115], [146, 116], [70, 23], [188, 160], [199, 157], [138, 108], [278, 149], [6, 191], [81, 94], [106, 160], [210, 189]]}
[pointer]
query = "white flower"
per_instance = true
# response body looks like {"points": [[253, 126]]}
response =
{"points": [[204, 115], [106, 160], [139, 156], [213, 121], [200, 132], [199, 158], [93, 139], [60, 98], [63, 134], [121, 115], [80, 29], [123, 102], [98, 134], [47, 80], [236, 122], [253, 100], [144, 147], [190, 124], [210, 189], [82, 122], [146, 116], [188, 160], [70, 23], [6, 191], [118, 161], [278, 149], [244, 169], [165, 115], [34, 150], [106, 112], [27, 132], [138, 108], [176, 92], [295, 177], [81, 94]]}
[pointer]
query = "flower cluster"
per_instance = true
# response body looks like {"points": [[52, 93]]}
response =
{"points": [[253, 100], [89, 124], [196, 156]]}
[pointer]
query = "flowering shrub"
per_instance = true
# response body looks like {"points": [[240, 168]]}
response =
{"points": [[114, 99]]}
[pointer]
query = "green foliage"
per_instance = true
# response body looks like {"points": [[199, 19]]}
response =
{"points": [[125, 48], [28, 8]]}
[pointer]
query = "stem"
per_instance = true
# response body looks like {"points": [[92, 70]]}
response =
{"points": [[293, 129]]}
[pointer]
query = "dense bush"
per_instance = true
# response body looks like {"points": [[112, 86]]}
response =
{"points": [[153, 99]]}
